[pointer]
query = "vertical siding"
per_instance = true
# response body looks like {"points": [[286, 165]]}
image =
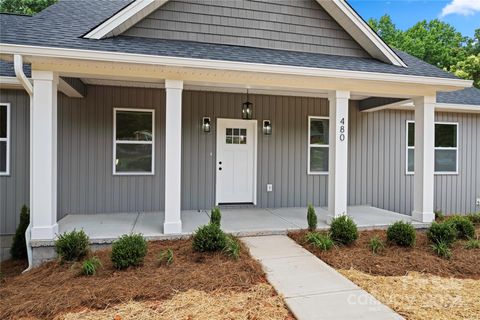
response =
{"points": [[282, 157], [377, 163], [300, 25], [85, 142], [14, 189]]}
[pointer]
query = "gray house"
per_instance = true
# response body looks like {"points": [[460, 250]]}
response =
{"points": [[116, 109]]}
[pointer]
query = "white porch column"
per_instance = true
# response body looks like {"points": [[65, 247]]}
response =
{"points": [[338, 154], [173, 156], [44, 156], [424, 159]]}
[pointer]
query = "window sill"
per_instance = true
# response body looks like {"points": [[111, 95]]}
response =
{"points": [[134, 174]]}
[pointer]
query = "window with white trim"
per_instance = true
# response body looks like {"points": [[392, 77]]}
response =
{"points": [[134, 141], [318, 145], [4, 139], [446, 147]]}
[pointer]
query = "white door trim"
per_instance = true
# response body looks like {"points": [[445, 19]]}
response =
{"points": [[255, 154]]}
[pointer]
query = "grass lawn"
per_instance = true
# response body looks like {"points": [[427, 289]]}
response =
{"points": [[414, 282], [194, 286]]}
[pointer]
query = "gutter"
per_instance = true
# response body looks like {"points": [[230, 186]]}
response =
{"points": [[22, 78]]}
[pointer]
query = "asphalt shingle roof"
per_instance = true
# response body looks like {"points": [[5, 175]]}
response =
{"points": [[64, 24], [469, 96]]}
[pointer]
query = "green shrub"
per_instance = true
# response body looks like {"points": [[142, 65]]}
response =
{"points": [[90, 266], [376, 244], [442, 249], [402, 234], [320, 241], [475, 218], [19, 246], [209, 238], [232, 247], [472, 244], [442, 232], [311, 218], [128, 250], [439, 216], [465, 228], [344, 230], [215, 216], [72, 246], [166, 257]]}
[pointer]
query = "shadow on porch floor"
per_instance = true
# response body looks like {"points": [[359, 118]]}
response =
{"points": [[104, 228]]}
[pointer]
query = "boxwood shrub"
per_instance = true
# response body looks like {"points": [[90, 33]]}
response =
{"points": [[343, 230], [209, 238], [72, 246], [128, 250], [443, 232], [402, 234], [465, 228]]}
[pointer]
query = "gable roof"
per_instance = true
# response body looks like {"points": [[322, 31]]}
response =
{"points": [[338, 9], [468, 96], [62, 25]]}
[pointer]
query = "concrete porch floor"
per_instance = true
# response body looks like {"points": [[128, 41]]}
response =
{"points": [[104, 228]]}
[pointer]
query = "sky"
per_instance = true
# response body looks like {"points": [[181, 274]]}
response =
{"points": [[464, 15]]}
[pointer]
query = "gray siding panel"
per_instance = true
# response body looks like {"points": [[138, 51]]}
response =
{"points": [[85, 141], [14, 189], [377, 163], [282, 159], [301, 25]]}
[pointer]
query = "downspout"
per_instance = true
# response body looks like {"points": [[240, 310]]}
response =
{"points": [[22, 78]]}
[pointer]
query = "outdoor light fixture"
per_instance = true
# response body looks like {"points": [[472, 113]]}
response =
{"points": [[247, 109], [267, 127], [206, 124]]}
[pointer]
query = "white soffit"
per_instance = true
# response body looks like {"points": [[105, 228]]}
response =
{"points": [[360, 31]]}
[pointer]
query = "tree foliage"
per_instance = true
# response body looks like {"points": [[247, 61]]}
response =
{"points": [[29, 7], [435, 42]]}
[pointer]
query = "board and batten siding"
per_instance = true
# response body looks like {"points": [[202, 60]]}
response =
{"points": [[377, 161], [14, 188], [301, 25], [282, 157], [86, 183]]}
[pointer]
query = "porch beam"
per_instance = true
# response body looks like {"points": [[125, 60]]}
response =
{"points": [[338, 153], [424, 158], [173, 156], [43, 128]]}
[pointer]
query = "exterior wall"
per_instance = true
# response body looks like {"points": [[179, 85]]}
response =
{"points": [[301, 25], [377, 163], [85, 141], [282, 157], [14, 189]]}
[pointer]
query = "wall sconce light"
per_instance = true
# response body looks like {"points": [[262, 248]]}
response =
{"points": [[247, 109], [206, 124], [267, 127]]}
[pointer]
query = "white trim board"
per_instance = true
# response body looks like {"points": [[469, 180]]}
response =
{"points": [[309, 145], [7, 139], [439, 107]]}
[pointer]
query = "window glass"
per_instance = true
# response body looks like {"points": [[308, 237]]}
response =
{"points": [[319, 131], [445, 160], [411, 134], [236, 136], [445, 135], [134, 126], [134, 158], [3, 156], [3, 121], [411, 160], [319, 159]]}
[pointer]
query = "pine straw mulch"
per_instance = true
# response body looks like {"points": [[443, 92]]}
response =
{"points": [[54, 289], [259, 302], [423, 296], [398, 261]]}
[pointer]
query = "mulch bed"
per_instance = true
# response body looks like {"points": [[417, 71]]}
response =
{"points": [[398, 261], [54, 288]]}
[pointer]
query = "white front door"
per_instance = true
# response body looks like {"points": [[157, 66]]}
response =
{"points": [[236, 161]]}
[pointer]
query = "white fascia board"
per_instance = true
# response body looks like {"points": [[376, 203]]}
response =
{"points": [[125, 18], [64, 87], [360, 31], [10, 83], [439, 107], [133, 58]]}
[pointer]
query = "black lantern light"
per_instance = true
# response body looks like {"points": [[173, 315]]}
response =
{"points": [[206, 124], [247, 109], [267, 127]]}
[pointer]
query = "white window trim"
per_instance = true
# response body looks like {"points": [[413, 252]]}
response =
{"points": [[434, 149], [309, 172], [7, 139], [115, 141]]}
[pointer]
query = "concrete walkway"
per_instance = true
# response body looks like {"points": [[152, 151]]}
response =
{"points": [[311, 288]]}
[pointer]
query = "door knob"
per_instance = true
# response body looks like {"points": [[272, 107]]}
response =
{"points": [[220, 162], [220, 168]]}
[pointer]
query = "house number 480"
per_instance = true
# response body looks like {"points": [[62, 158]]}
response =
{"points": [[342, 129]]}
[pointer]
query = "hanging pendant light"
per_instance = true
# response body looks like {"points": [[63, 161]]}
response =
{"points": [[247, 109]]}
